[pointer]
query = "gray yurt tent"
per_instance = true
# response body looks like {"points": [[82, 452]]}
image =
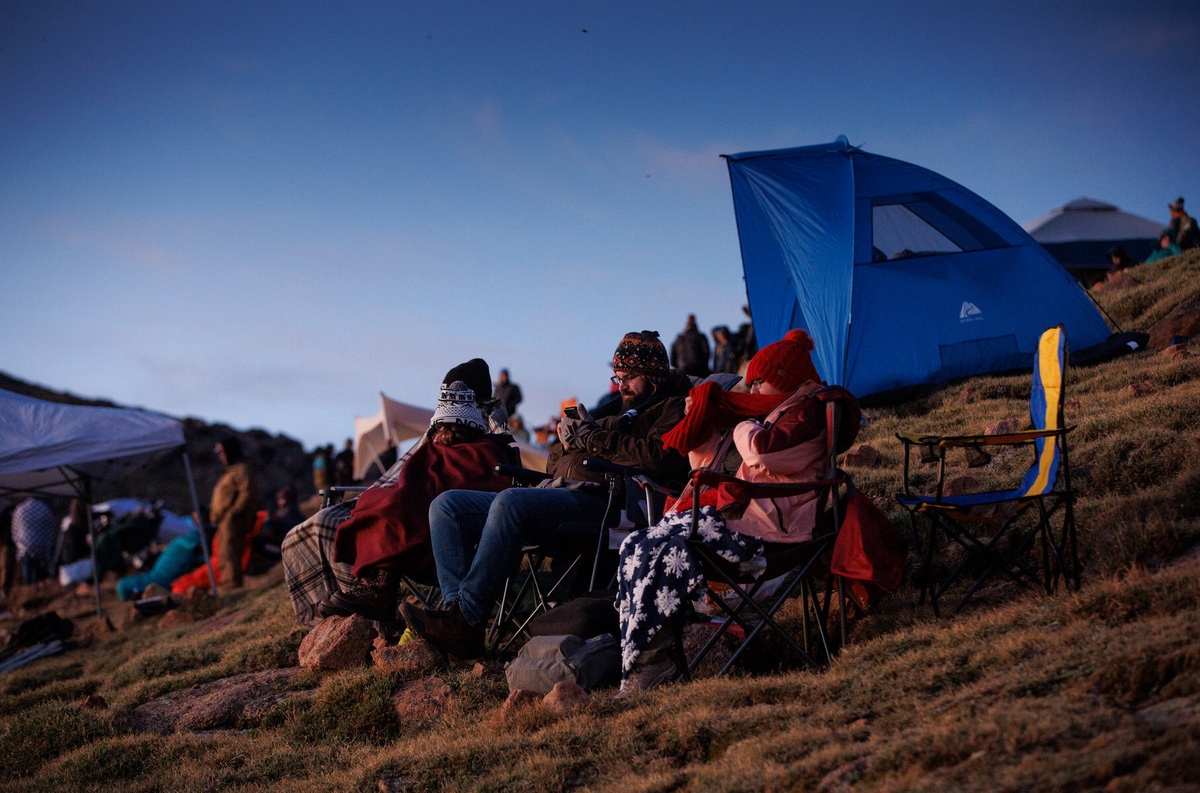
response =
{"points": [[1080, 234]]}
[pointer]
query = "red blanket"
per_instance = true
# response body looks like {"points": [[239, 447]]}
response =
{"points": [[389, 526]]}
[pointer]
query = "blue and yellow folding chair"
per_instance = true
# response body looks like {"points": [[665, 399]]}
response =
{"points": [[1047, 484]]}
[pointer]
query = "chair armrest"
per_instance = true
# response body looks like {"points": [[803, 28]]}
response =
{"points": [[646, 483], [1007, 439], [335, 494], [598, 466], [519, 474], [711, 478]]}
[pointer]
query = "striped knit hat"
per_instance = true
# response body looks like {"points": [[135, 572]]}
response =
{"points": [[642, 353], [456, 405]]}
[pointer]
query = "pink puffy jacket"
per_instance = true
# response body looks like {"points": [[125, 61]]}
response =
{"points": [[792, 518]]}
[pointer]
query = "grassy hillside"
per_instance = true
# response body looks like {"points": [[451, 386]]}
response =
{"points": [[1092, 690]]}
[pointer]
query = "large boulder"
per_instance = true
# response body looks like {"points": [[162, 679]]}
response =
{"points": [[1184, 320], [221, 703], [338, 643]]}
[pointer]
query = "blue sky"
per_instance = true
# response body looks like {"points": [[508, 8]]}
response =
{"points": [[266, 213]]}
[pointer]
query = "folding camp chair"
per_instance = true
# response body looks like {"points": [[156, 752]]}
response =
{"points": [[964, 519], [573, 543], [802, 563], [427, 592]]}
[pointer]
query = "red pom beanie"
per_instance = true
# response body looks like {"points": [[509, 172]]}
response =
{"points": [[785, 364]]}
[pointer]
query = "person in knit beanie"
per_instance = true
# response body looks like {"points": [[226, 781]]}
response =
{"points": [[779, 432], [784, 366]]}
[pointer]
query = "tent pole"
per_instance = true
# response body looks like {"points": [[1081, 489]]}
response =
{"points": [[187, 467], [87, 500]]}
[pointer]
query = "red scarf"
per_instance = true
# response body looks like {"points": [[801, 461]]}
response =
{"points": [[714, 410]]}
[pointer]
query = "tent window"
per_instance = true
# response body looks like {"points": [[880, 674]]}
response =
{"points": [[897, 232]]}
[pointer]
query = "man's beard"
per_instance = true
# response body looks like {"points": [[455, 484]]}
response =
{"points": [[628, 400]]}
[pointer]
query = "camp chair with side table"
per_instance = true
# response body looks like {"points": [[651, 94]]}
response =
{"points": [[802, 564], [1044, 493], [574, 545]]}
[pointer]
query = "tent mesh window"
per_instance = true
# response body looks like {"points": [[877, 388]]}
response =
{"points": [[924, 224]]}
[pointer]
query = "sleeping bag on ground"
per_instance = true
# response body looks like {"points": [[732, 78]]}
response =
{"points": [[180, 556]]}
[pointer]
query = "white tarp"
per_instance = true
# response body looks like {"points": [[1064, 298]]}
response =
{"points": [[1088, 219], [397, 422], [45, 446]]}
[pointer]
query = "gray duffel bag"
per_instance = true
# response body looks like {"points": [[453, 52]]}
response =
{"points": [[546, 660]]}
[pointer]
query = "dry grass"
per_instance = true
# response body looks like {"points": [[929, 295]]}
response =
{"points": [[1017, 693]]}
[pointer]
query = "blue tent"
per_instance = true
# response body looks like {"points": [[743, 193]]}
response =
{"points": [[900, 275]]}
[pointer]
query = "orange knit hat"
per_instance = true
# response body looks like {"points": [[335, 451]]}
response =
{"points": [[785, 364]]}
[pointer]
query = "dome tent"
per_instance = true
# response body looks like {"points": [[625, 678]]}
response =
{"points": [[900, 275], [1080, 234]]}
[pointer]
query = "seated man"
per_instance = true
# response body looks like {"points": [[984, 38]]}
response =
{"points": [[308, 550], [477, 537]]}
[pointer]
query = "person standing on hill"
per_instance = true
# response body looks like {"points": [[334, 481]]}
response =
{"points": [[33, 532], [343, 465], [507, 392], [233, 507], [689, 352], [1183, 226]]}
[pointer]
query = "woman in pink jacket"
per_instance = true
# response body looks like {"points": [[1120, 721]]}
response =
{"points": [[657, 573]]}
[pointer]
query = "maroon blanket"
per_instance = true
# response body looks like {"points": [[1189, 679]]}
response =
{"points": [[389, 526]]}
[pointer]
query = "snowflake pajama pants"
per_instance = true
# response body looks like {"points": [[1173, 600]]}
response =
{"points": [[657, 573]]}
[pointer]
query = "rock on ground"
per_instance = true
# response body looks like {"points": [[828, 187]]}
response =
{"points": [[416, 657], [863, 456], [1184, 320], [215, 705], [566, 697], [338, 643], [519, 698], [421, 699], [174, 618]]}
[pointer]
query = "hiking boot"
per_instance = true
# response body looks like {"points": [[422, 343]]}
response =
{"points": [[448, 630], [655, 664], [374, 597], [645, 676]]}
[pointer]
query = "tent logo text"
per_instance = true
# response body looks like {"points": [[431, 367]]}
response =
{"points": [[970, 313]]}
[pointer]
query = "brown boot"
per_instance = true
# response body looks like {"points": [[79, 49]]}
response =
{"points": [[374, 597], [448, 630]]}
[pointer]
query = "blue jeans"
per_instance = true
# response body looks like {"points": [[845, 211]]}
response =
{"points": [[477, 537]]}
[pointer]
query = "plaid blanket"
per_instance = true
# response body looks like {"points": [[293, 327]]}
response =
{"points": [[308, 565], [308, 550]]}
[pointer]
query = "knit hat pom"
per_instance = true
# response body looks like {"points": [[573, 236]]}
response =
{"points": [[786, 364], [799, 336]]}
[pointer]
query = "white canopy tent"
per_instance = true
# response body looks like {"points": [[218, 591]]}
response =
{"points": [[47, 448], [397, 422]]}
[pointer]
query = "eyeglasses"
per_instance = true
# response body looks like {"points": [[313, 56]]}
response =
{"points": [[619, 380], [755, 381]]}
